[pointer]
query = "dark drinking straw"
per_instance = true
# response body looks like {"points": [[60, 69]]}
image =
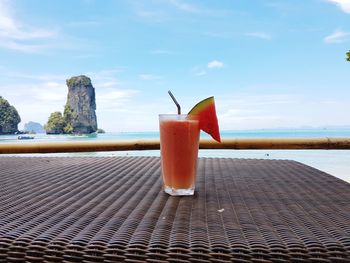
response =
{"points": [[176, 103]]}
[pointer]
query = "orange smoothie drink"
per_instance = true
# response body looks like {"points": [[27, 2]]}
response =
{"points": [[179, 141]]}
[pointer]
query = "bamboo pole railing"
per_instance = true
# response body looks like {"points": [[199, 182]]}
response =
{"points": [[236, 144]]}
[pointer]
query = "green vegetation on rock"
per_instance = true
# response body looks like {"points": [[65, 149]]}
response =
{"points": [[348, 55], [69, 117], [9, 117], [55, 124], [82, 80], [59, 124]]}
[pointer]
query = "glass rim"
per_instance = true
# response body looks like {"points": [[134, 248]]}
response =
{"points": [[170, 116], [174, 115]]}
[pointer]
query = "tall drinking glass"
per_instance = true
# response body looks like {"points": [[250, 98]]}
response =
{"points": [[179, 141]]}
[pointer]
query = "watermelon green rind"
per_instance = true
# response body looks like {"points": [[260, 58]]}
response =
{"points": [[201, 105]]}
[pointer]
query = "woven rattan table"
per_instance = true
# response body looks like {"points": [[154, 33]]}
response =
{"points": [[112, 209]]}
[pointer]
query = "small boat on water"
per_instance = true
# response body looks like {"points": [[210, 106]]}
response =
{"points": [[25, 137]]}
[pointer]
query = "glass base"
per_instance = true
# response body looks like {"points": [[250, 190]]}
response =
{"points": [[178, 192]]}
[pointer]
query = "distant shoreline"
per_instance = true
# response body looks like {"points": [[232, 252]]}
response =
{"points": [[344, 132]]}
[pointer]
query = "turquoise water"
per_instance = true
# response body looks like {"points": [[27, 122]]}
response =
{"points": [[335, 162], [288, 133]]}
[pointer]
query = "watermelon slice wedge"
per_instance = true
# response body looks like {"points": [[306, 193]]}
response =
{"points": [[205, 112]]}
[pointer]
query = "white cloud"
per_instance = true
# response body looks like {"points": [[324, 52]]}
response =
{"points": [[50, 92], [198, 71], [36, 77], [149, 77], [109, 84], [343, 4], [259, 34], [338, 36], [20, 36], [241, 111], [247, 111], [26, 48], [183, 6], [113, 100], [202, 70], [201, 73], [113, 94], [105, 78], [166, 10], [104, 75], [215, 64]]}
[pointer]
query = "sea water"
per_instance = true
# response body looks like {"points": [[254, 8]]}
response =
{"points": [[335, 162]]}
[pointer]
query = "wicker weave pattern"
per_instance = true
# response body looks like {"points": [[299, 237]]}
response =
{"points": [[112, 209]]}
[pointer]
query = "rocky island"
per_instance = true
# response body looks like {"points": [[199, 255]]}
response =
{"points": [[79, 115], [9, 118], [34, 127]]}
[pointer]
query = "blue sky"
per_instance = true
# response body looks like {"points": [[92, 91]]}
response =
{"points": [[268, 63]]}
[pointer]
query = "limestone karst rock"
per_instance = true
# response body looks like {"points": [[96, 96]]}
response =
{"points": [[79, 115], [81, 105]]}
